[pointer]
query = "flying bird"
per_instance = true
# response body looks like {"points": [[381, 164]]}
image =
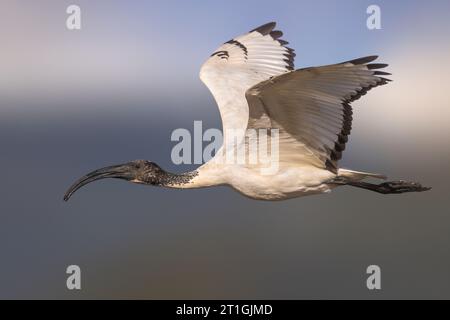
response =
{"points": [[255, 85]]}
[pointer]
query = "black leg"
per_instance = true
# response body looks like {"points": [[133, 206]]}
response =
{"points": [[390, 186]]}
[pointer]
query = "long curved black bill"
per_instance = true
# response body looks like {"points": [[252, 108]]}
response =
{"points": [[121, 171]]}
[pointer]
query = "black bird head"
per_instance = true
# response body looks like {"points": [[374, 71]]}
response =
{"points": [[138, 171]]}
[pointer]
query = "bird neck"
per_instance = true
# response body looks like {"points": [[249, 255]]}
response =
{"points": [[204, 176], [175, 180]]}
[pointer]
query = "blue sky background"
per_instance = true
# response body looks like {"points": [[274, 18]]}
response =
{"points": [[72, 101]]}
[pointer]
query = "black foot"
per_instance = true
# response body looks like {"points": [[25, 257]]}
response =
{"points": [[400, 187]]}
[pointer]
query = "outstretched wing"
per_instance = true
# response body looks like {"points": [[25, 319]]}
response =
{"points": [[241, 63], [311, 108]]}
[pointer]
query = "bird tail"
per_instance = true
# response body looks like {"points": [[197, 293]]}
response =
{"points": [[358, 175]]}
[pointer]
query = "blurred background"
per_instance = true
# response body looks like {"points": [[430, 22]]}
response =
{"points": [[73, 101]]}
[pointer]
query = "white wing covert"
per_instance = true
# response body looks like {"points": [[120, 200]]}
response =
{"points": [[241, 63], [311, 108]]}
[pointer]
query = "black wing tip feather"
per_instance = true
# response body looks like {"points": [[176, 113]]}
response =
{"points": [[381, 73], [276, 34], [265, 28], [268, 29], [380, 82], [335, 154], [372, 66], [363, 60]]}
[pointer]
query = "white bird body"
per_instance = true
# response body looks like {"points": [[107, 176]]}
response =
{"points": [[287, 183], [253, 81]]}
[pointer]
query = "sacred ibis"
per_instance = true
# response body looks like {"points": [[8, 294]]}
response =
{"points": [[255, 85]]}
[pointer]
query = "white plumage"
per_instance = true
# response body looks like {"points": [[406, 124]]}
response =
{"points": [[253, 81]]}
